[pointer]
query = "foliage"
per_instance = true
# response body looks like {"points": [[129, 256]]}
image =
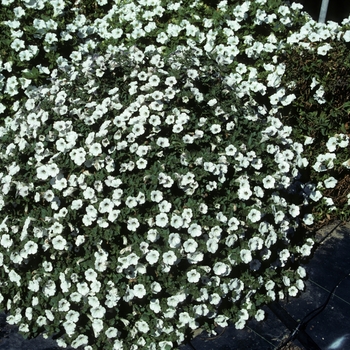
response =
{"points": [[156, 177]]}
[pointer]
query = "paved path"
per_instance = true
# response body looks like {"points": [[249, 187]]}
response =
{"points": [[10, 339]]}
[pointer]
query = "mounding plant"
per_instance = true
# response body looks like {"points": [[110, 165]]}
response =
{"points": [[150, 182]]}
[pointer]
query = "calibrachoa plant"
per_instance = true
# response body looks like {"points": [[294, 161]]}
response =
{"points": [[146, 189]]}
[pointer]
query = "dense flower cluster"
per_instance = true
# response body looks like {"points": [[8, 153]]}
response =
{"points": [[146, 192]]}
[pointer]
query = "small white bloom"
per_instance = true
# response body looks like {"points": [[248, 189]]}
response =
{"points": [[133, 224], [169, 257], [221, 269], [293, 291], [260, 315], [152, 256], [139, 290], [240, 324], [254, 215], [193, 276], [212, 245], [59, 242], [162, 220], [269, 182], [142, 326], [284, 255], [111, 332], [176, 221], [174, 240], [308, 219], [330, 182], [301, 272], [246, 256], [6, 241], [190, 245], [98, 311], [195, 230], [215, 128]]}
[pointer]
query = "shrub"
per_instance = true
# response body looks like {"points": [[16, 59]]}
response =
{"points": [[152, 184]]}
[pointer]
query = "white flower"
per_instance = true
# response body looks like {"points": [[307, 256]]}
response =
{"points": [[98, 311], [212, 245], [139, 290], [176, 221], [78, 155], [305, 250], [6, 241], [323, 50], [195, 230], [63, 305], [14, 277], [111, 332], [47, 266], [49, 288], [294, 210], [284, 255], [162, 220], [260, 315], [163, 142], [269, 285], [141, 163], [215, 128], [212, 102], [152, 256], [221, 269], [59, 242], [131, 202], [190, 245], [214, 299], [330, 182], [142, 326], [221, 320], [105, 206], [69, 327], [133, 224], [193, 276], [308, 219], [42, 172], [293, 291], [174, 240], [246, 256], [346, 36], [194, 258], [244, 192], [80, 340], [90, 275], [79, 240], [255, 243], [240, 324], [286, 281], [155, 287], [164, 206], [152, 235], [89, 193], [301, 271], [76, 204], [169, 257], [269, 182], [254, 215], [83, 288], [97, 326], [155, 306]]}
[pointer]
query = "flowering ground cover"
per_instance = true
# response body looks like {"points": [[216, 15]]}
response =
{"points": [[164, 164]]}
